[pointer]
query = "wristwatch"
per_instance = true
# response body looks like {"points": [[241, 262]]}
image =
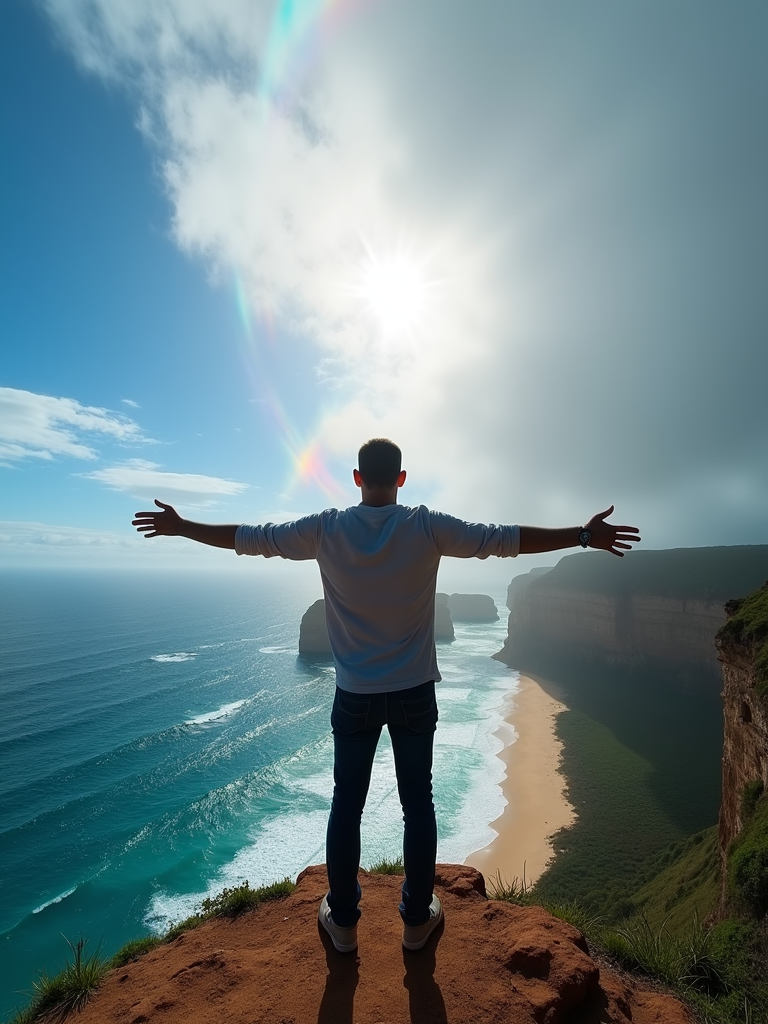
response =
{"points": [[584, 537]]}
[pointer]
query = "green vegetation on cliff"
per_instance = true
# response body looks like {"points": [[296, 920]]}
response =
{"points": [[748, 627], [620, 823], [683, 884], [748, 864], [56, 997]]}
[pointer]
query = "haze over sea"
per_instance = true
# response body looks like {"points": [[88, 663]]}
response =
{"points": [[161, 739]]}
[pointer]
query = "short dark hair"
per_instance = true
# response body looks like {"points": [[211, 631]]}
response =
{"points": [[379, 462]]}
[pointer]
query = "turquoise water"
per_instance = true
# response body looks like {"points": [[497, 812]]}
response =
{"points": [[161, 739]]}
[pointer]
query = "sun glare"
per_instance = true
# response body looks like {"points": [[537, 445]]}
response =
{"points": [[394, 292]]}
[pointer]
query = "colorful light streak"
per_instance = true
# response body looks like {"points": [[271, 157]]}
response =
{"points": [[298, 31]]}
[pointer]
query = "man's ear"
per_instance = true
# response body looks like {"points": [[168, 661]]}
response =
{"points": [[401, 478], [357, 478]]}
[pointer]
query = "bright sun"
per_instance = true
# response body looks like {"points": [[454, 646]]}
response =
{"points": [[394, 292]]}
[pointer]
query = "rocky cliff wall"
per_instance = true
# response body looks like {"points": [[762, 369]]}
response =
{"points": [[745, 713], [650, 607]]}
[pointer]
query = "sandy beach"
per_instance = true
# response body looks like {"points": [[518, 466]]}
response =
{"points": [[533, 788]]}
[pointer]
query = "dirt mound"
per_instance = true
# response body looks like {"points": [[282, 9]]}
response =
{"points": [[491, 963]]}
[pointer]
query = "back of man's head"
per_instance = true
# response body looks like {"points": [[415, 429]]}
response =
{"points": [[379, 462]]}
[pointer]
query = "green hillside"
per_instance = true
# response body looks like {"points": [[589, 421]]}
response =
{"points": [[686, 886]]}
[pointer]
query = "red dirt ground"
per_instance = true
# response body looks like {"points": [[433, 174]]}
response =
{"points": [[491, 963]]}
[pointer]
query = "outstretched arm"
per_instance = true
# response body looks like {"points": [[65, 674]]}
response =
{"points": [[604, 536], [168, 523]]}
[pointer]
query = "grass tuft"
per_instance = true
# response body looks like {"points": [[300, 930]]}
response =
{"points": [[687, 962], [134, 949], [55, 997], [515, 890], [235, 901], [385, 866]]}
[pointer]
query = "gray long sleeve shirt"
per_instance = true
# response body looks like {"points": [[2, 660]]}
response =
{"points": [[379, 571]]}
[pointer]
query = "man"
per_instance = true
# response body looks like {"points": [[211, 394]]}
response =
{"points": [[378, 561]]}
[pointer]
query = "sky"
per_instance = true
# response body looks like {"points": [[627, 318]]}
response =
{"points": [[527, 241]]}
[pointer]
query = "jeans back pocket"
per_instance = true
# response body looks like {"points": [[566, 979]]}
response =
{"points": [[349, 713], [420, 713]]}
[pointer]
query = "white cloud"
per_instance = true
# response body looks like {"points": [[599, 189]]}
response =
{"points": [[130, 401], [595, 271], [143, 479], [42, 427]]}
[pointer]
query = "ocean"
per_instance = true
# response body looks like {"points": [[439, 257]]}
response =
{"points": [[161, 740]]}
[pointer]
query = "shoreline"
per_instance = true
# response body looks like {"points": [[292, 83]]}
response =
{"points": [[534, 790]]}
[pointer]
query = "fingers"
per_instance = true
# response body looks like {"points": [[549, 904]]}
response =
{"points": [[161, 505]]}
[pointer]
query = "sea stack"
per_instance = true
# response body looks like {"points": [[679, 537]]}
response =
{"points": [[313, 632], [472, 608], [443, 621]]}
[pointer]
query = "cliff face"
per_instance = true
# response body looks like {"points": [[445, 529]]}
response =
{"points": [[745, 710], [649, 607], [618, 629]]}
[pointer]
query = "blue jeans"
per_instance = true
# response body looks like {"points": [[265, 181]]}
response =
{"points": [[357, 720]]}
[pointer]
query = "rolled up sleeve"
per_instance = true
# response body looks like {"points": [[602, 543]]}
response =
{"points": [[297, 541], [454, 537]]}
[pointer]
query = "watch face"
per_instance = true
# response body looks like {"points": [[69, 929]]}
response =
{"points": [[584, 538]]}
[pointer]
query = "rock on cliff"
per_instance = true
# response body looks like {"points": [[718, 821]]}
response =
{"points": [[472, 608], [742, 645], [649, 607], [313, 632]]}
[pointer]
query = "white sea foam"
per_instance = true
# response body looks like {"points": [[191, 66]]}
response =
{"points": [[278, 650], [57, 899], [179, 656], [214, 716], [284, 845]]}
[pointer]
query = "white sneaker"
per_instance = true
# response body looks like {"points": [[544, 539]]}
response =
{"points": [[415, 936], [343, 939]]}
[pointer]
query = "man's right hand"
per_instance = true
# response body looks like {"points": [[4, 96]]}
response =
{"points": [[167, 523]]}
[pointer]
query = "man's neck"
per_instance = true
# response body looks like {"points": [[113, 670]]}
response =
{"points": [[378, 497]]}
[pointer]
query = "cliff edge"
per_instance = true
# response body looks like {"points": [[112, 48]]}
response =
{"points": [[492, 961]]}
